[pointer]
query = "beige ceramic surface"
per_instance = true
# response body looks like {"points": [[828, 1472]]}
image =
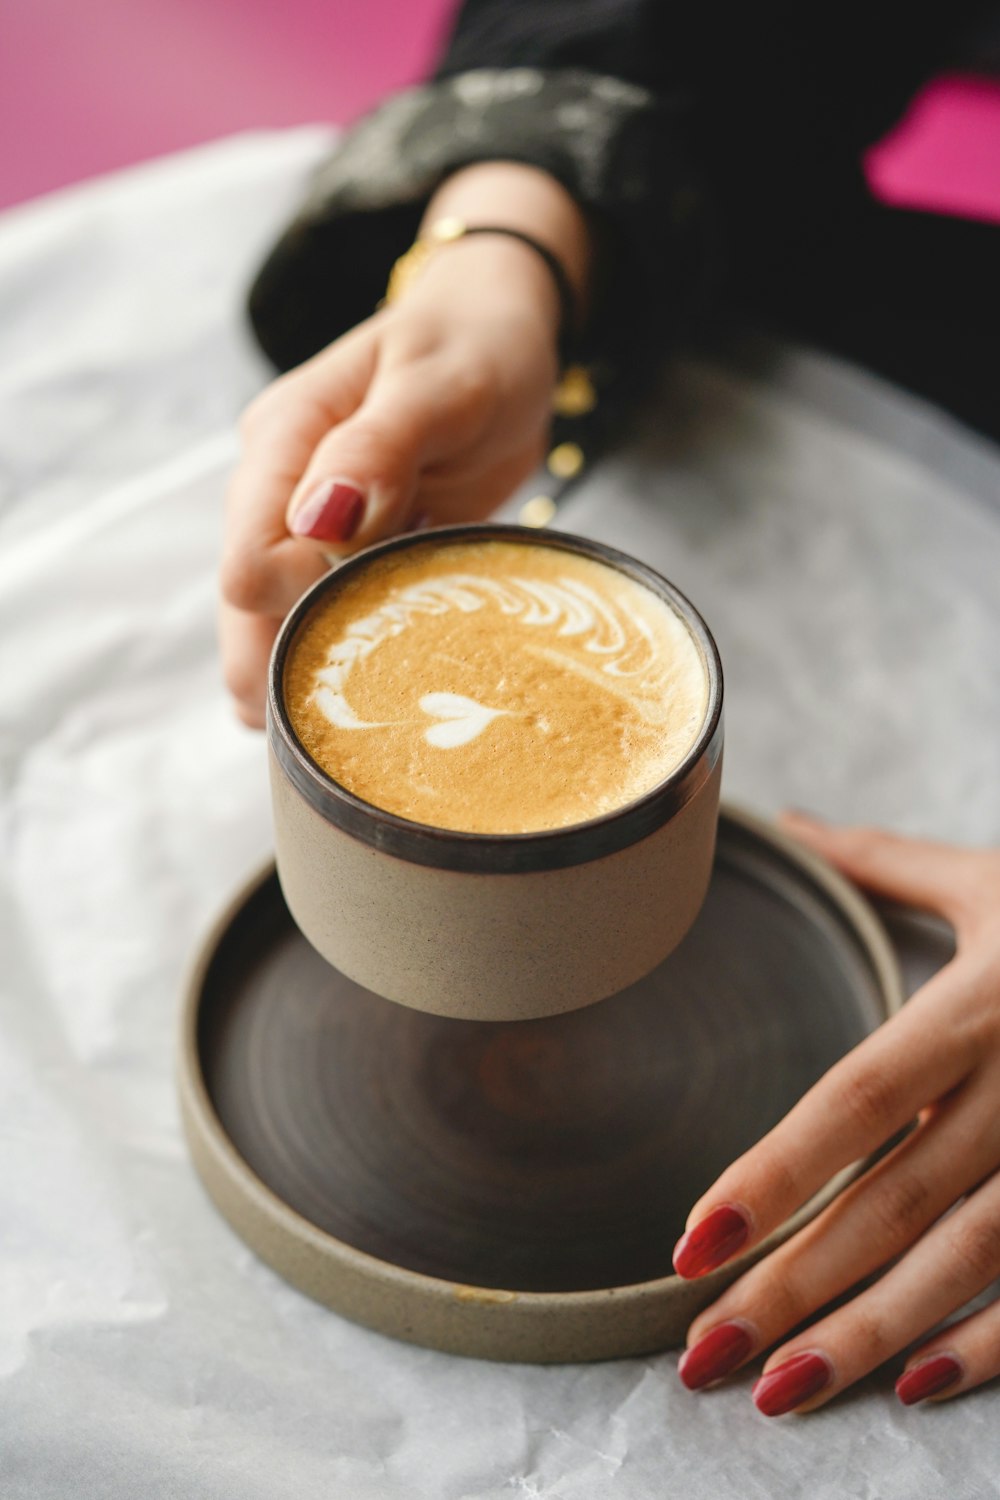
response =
{"points": [[482, 927], [486, 1321], [493, 947]]}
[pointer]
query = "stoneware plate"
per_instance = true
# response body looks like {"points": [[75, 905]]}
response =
{"points": [[513, 1190]]}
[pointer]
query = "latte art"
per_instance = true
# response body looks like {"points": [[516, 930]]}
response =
{"points": [[495, 686], [463, 719], [606, 629]]}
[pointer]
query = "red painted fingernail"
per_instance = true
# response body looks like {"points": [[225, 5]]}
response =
{"points": [[936, 1373], [713, 1356], [788, 1385], [711, 1242], [331, 512]]}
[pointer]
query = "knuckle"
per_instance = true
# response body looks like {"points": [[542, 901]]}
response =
{"points": [[258, 410], [780, 1291], [250, 716], [246, 691], [869, 1101], [245, 582], [901, 1207], [371, 441], [284, 391], [249, 418], [788, 1300], [979, 891], [471, 386], [458, 388], [976, 1254], [779, 1183], [871, 1337], [767, 1179], [248, 705]]}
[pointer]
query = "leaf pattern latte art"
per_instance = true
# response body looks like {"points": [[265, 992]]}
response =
{"points": [[578, 630]]}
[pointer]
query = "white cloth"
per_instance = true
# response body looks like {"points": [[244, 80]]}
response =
{"points": [[843, 542]]}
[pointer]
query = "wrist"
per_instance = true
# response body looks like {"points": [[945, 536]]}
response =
{"points": [[492, 278], [526, 199]]}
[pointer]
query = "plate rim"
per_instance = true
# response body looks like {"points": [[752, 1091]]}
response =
{"points": [[224, 1172]]}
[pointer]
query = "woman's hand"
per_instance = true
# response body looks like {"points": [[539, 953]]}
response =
{"points": [[937, 1061], [433, 410]]}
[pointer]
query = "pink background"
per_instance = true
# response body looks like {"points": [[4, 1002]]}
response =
{"points": [[90, 85]]}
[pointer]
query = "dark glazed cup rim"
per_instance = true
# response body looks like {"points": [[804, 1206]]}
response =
{"points": [[496, 853]]}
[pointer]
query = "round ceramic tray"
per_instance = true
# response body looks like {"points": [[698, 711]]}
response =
{"points": [[514, 1190]]}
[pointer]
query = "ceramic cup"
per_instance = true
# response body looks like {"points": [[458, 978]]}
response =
{"points": [[494, 927]]}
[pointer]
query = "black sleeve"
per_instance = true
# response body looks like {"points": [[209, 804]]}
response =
{"points": [[713, 144], [604, 132]]}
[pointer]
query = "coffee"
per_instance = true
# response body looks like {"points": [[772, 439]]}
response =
{"points": [[495, 686], [495, 761]]}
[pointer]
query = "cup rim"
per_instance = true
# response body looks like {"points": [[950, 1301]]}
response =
{"points": [[496, 853]]}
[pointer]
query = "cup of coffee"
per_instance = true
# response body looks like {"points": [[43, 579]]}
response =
{"points": [[495, 760]]}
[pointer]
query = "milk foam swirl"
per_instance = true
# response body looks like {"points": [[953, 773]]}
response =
{"points": [[494, 686], [615, 648]]}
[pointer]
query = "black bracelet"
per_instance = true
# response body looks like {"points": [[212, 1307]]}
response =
{"points": [[568, 319], [446, 231]]}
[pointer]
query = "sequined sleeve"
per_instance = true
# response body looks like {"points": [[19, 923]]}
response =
{"points": [[609, 141]]}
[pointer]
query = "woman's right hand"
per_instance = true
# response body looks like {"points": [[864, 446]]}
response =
{"points": [[917, 1236], [431, 411]]}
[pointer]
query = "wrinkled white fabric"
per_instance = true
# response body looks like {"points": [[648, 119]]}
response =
{"points": [[843, 542]]}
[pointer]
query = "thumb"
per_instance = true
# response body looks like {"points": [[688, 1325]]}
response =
{"points": [[363, 476], [915, 872]]}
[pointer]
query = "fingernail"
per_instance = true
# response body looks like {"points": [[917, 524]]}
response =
{"points": [[713, 1356], [805, 817], [936, 1373], [711, 1242], [788, 1385], [330, 512]]}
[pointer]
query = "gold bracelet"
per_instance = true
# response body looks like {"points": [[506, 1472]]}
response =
{"points": [[409, 265]]}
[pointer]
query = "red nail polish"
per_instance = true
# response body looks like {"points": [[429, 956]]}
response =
{"points": [[721, 1350], [331, 512], [788, 1385], [712, 1241], [936, 1373]]}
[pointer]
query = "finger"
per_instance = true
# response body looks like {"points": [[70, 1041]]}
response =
{"points": [[264, 569], [917, 872], [363, 478], [951, 1264], [967, 1354], [246, 639], [877, 1089], [245, 642], [473, 493], [868, 1225]]}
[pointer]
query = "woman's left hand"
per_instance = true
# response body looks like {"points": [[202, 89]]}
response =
{"points": [[936, 1062]]}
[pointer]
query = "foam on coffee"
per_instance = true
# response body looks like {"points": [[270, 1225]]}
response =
{"points": [[495, 686]]}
